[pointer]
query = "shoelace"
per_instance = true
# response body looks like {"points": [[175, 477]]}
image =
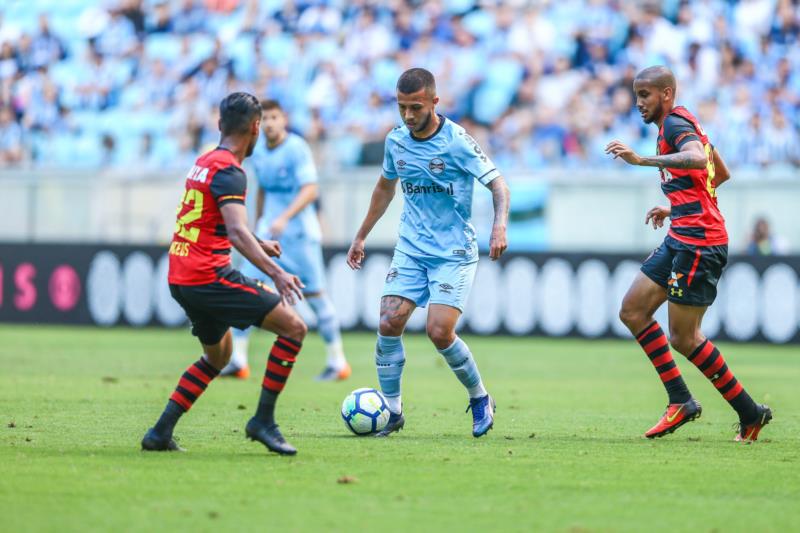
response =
{"points": [[477, 408]]}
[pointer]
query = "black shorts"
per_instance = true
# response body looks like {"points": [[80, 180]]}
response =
{"points": [[233, 300], [688, 273]]}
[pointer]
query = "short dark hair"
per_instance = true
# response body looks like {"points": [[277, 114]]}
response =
{"points": [[236, 113], [658, 75], [269, 105], [415, 79]]}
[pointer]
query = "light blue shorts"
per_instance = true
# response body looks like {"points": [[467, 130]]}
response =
{"points": [[425, 280], [300, 257]]}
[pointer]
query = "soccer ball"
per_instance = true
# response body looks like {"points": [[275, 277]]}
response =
{"points": [[364, 411]]}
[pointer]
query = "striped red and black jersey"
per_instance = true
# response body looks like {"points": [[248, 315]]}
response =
{"points": [[695, 217], [200, 247]]}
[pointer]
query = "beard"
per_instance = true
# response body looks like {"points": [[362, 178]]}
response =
{"points": [[656, 113], [424, 124]]}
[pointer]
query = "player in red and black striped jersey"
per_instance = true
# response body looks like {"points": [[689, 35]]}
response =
{"points": [[210, 220], [685, 269]]}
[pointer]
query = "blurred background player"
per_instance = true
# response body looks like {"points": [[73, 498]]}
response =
{"points": [[436, 163], [763, 241], [285, 211], [215, 296], [685, 269]]}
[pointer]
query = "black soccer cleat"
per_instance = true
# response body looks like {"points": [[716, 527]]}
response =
{"points": [[270, 436], [153, 442], [395, 423]]}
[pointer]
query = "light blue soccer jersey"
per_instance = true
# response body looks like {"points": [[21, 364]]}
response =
{"points": [[281, 172], [437, 176]]}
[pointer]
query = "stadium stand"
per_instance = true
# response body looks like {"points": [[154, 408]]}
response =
{"points": [[543, 84]]}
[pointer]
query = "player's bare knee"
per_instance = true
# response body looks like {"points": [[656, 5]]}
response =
{"points": [[218, 358], [390, 325], [684, 342], [678, 343], [218, 354], [297, 329], [441, 336], [626, 315], [632, 317]]}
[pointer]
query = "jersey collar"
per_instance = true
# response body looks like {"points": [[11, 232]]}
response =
{"points": [[432, 135], [273, 148]]}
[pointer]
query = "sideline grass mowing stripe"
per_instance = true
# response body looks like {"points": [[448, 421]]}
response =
{"points": [[566, 452]]}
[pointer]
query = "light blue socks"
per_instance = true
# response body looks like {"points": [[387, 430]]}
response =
{"points": [[389, 359], [328, 327], [463, 366], [241, 340], [327, 323]]}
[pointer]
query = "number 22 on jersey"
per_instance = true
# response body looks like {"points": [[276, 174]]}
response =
{"points": [[192, 198]]}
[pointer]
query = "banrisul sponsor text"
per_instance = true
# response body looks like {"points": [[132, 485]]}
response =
{"points": [[434, 188]]}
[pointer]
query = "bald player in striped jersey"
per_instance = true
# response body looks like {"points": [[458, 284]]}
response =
{"points": [[685, 269]]}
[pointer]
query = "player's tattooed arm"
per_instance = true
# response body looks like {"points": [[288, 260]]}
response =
{"points": [[381, 198], [691, 155], [501, 198]]}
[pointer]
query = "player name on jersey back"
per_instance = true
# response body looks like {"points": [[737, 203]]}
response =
{"points": [[200, 248]]}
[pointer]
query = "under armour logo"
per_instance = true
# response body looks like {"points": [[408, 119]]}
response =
{"points": [[676, 292]]}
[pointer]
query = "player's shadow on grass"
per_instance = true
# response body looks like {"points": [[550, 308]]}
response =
{"points": [[626, 440], [398, 437]]}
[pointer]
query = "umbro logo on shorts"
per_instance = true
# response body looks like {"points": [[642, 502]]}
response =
{"points": [[445, 288]]}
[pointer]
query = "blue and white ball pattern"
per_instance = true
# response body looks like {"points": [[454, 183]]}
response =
{"points": [[365, 411]]}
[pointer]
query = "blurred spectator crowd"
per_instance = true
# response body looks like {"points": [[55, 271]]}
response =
{"points": [[134, 84]]}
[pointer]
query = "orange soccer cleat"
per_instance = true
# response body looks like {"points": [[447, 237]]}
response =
{"points": [[748, 433], [239, 372], [242, 373], [676, 415], [332, 374]]}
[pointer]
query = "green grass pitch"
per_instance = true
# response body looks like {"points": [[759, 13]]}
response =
{"points": [[566, 454]]}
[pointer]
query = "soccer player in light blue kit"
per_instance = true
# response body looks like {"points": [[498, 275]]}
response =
{"points": [[285, 212], [436, 163]]}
